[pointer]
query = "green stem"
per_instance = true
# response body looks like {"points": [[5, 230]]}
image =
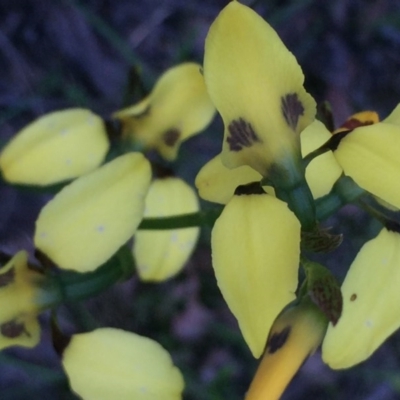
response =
{"points": [[201, 218], [300, 200], [344, 191], [76, 286], [317, 152]]}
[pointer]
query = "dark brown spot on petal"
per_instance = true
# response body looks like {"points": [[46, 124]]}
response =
{"points": [[354, 123], [13, 329], [353, 297], [8, 277], [249, 188], [171, 136], [241, 135], [292, 109], [277, 340]]}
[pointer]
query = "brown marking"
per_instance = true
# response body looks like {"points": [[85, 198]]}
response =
{"points": [[241, 135], [277, 340], [354, 123], [171, 136], [292, 109], [353, 297], [13, 329], [326, 294], [8, 277], [249, 188]]}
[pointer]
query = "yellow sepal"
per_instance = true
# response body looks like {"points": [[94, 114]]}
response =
{"points": [[217, 183], [161, 254], [255, 254], [176, 109], [56, 147], [369, 155], [113, 364], [87, 221], [256, 85], [323, 171], [370, 293]]}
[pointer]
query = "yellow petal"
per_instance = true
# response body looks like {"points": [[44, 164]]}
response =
{"points": [[19, 307], [294, 336], [369, 155], [370, 295], [323, 171], [86, 223], [177, 108], [257, 86], [56, 147], [217, 183], [163, 253], [113, 364], [255, 252]]}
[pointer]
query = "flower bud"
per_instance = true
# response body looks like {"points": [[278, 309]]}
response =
{"points": [[88, 220], [58, 146], [161, 254]]}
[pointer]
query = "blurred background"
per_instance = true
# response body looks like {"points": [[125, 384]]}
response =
{"points": [[56, 54]]}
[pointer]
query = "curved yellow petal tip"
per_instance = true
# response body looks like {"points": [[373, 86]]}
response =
{"points": [[294, 336], [58, 146], [86, 223], [257, 277], [256, 85], [369, 290], [113, 364], [177, 108], [323, 171], [369, 155], [217, 183], [162, 254]]}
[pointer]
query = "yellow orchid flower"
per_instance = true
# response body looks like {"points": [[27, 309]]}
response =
{"points": [[88, 220], [295, 335], [20, 299], [162, 254], [58, 146], [370, 295], [176, 109], [110, 363], [256, 85], [255, 252]]}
